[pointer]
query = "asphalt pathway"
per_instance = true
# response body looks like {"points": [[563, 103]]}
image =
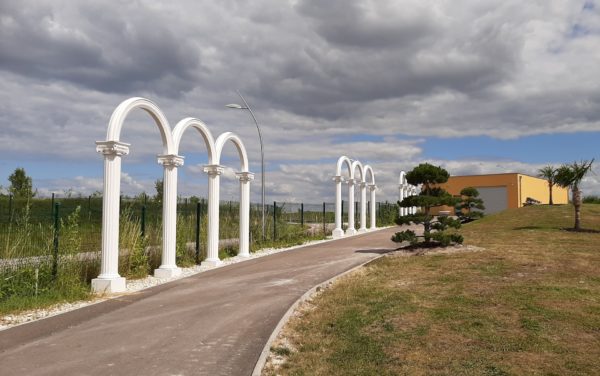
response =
{"points": [[212, 323]]}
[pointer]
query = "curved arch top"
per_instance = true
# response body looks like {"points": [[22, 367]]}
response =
{"points": [[368, 168], [209, 140], [118, 116], [222, 140], [402, 179], [340, 163], [356, 164]]}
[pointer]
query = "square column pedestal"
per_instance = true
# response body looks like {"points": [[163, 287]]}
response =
{"points": [[167, 272], [211, 263], [108, 285]]}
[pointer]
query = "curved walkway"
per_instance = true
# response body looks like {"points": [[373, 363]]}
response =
{"points": [[213, 323]]}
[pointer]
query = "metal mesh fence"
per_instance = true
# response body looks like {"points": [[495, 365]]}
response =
{"points": [[41, 238]]}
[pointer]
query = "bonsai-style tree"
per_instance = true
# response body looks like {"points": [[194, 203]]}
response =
{"points": [[571, 175], [470, 200], [428, 177], [549, 174]]}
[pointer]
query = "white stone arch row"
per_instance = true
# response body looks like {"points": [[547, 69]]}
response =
{"points": [[351, 180], [406, 190], [113, 149]]}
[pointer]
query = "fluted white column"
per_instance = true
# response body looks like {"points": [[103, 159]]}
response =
{"points": [[245, 178], [350, 230], [168, 267], [400, 198], [363, 207], [214, 177], [338, 232], [373, 188], [413, 192], [109, 280]]}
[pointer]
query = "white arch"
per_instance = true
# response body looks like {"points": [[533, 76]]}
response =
{"points": [[168, 267], [214, 171], [367, 168], [113, 149], [340, 163], [372, 188], [230, 136], [115, 124], [352, 180], [199, 125], [351, 230]]}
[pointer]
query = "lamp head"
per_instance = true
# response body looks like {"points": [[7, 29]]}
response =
{"points": [[236, 106]]}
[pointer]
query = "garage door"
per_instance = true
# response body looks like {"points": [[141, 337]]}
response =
{"points": [[495, 199]]}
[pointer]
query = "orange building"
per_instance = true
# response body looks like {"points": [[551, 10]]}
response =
{"points": [[505, 191]]}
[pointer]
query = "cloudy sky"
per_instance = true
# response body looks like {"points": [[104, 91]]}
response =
{"points": [[476, 87]]}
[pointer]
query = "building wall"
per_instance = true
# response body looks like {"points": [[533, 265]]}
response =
{"points": [[537, 188], [518, 188]]}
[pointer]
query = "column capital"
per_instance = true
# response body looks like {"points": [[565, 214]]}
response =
{"points": [[170, 160], [372, 187], [338, 178], [112, 148], [350, 182], [362, 184], [213, 169], [245, 176]]}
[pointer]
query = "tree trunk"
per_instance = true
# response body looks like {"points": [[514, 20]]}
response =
{"points": [[577, 205], [550, 186]]}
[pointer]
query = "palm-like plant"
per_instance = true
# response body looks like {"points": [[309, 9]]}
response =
{"points": [[571, 175], [549, 174]]}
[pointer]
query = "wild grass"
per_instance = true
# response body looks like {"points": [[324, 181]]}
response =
{"points": [[29, 277], [529, 303]]}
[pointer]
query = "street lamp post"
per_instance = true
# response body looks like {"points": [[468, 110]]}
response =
{"points": [[262, 155]]}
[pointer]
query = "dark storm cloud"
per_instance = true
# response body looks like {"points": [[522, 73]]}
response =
{"points": [[121, 49]]}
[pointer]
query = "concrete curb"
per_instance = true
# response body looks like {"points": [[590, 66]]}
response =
{"points": [[286, 317]]}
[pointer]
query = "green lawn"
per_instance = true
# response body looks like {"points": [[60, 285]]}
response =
{"points": [[529, 303]]}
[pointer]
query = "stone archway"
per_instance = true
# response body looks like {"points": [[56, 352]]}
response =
{"points": [[372, 188], [352, 166], [214, 171], [168, 267], [338, 232], [113, 149]]}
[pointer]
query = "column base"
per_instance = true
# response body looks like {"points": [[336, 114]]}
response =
{"points": [[372, 228], [362, 230], [209, 262], [337, 233], [108, 285], [351, 231], [167, 272], [243, 255]]}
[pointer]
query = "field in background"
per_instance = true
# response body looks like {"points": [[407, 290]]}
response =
{"points": [[528, 303]]}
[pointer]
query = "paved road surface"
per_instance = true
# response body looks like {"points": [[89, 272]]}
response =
{"points": [[213, 323]]}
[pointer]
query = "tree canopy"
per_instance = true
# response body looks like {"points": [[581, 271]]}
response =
{"points": [[21, 185]]}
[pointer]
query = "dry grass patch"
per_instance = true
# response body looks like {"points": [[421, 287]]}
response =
{"points": [[528, 303]]}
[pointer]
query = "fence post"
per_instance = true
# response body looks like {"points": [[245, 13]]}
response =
{"points": [[52, 205], [302, 214], [143, 220], [324, 222], [274, 220], [55, 250], [198, 232]]}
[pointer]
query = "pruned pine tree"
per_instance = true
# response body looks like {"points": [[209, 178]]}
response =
{"points": [[428, 177], [469, 202]]}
